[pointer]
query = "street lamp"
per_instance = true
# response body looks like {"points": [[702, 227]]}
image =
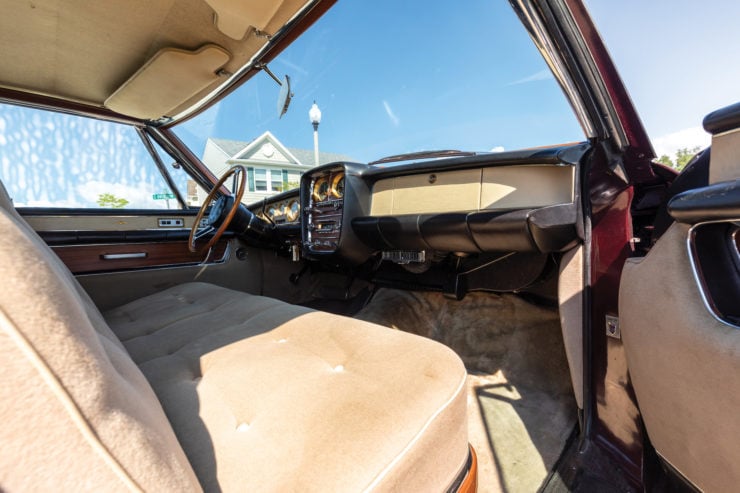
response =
{"points": [[315, 115]]}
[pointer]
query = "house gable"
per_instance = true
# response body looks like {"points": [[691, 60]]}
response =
{"points": [[266, 150]]}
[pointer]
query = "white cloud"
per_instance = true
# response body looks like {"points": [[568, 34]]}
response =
{"points": [[497, 149], [541, 75], [687, 138], [394, 119]]}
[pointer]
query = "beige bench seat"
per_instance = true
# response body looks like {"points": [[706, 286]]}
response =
{"points": [[266, 395], [202, 387]]}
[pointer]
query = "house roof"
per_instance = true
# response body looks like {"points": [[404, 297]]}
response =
{"points": [[304, 156]]}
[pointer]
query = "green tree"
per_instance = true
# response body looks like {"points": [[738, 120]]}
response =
{"points": [[683, 156], [110, 200], [664, 159]]}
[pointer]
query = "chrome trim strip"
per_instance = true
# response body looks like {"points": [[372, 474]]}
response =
{"points": [[161, 167], [121, 256], [736, 240], [697, 273]]}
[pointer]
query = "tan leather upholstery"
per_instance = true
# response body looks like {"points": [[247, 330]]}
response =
{"points": [[264, 393], [570, 296], [75, 411], [684, 365], [261, 395]]}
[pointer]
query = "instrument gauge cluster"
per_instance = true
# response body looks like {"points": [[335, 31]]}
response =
{"points": [[287, 211], [337, 186], [325, 210]]}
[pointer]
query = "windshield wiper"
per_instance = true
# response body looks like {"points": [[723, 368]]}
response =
{"points": [[421, 155]]}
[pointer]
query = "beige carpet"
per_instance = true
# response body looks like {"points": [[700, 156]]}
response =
{"points": [[520, 403]]}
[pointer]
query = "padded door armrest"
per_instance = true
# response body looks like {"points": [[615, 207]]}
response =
{"points": [[717, 202]]}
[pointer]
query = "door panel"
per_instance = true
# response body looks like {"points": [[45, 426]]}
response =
{"points": [[242, 273], [684, 364], [109, 257], [121, 257]]}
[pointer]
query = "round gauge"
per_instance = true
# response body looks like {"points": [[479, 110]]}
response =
{"points": [[337, 185], [271, 212], [321, 190], [293, 210]]}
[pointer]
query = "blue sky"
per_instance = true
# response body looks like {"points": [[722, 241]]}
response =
{"points": [[393, 77], [680, 59]]}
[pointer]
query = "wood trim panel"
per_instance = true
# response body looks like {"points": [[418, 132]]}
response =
{"points": [[85, 259]]}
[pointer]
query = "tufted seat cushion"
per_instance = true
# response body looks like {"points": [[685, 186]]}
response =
{"points": [[263, 395], [200, 386]]}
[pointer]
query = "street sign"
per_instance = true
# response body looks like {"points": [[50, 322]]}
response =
{"points": [[163, 196]]}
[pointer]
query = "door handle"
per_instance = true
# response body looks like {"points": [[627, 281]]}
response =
{"points": [[121, 256]]}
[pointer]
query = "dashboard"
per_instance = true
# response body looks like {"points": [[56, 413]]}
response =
{"points": [[324, 210], [281, 211], [348, 213]]}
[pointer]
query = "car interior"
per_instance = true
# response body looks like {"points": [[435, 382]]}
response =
{"points": [[418, 326]]}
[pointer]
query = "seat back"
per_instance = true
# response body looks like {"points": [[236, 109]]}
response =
{"points": [[75, 411]]}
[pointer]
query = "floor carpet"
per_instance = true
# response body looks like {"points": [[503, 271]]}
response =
{"points": [[521, 407]]}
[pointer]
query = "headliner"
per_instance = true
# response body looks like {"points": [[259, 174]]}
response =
{"points": [[83, 51]]}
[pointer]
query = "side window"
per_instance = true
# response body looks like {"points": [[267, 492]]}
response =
{"points": [[50, 159]]}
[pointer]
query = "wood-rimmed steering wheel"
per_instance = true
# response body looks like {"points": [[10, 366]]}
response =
{"points": [[217, 210]]}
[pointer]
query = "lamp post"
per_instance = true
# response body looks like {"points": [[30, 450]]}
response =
{"points": [[315, 115]]}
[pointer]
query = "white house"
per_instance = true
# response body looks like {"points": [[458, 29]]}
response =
{"points": [[271, 167]]}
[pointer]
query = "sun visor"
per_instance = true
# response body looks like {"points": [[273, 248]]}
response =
{"points": [[233, 17], [169, 79]]}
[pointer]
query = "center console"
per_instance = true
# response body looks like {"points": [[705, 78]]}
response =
{"points": [[324, 210], [326, 223]]}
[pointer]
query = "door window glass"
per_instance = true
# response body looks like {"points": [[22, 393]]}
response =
{"points": [[50, 159]]}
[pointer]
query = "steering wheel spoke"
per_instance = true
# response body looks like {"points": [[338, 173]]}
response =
{"points": [[196, 232], [204, 231]]}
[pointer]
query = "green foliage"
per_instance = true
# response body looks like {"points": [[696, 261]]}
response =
{"points": [[111, 201], [290, 185], [683, 156]]}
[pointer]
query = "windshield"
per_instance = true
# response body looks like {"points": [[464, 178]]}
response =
{"points": [[388, 78]]}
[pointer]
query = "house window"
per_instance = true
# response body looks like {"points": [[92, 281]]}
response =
{"points": [[272, 180], [276, 180], [291, 179], [260, 180]]}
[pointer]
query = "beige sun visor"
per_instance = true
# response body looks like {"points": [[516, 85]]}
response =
{"points": [[233, 17], [170, 77]]}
